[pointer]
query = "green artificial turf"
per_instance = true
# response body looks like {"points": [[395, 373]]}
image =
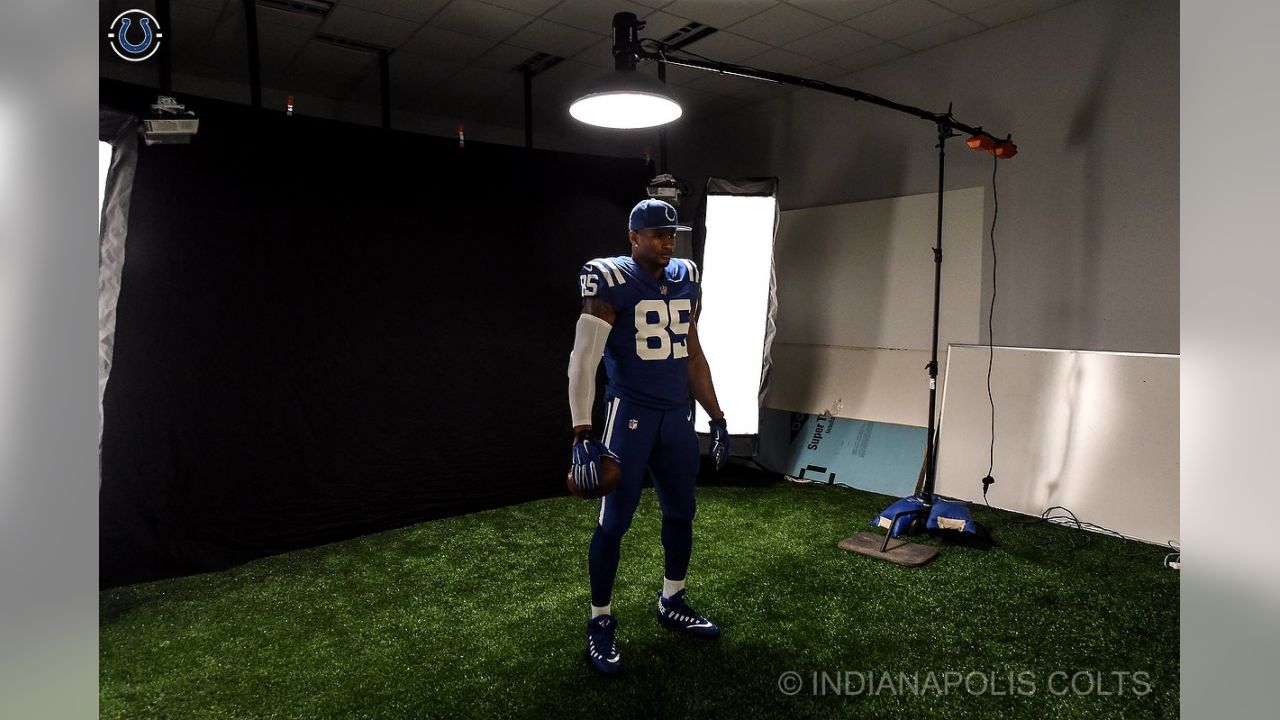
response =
{"points": [[484, 616]]}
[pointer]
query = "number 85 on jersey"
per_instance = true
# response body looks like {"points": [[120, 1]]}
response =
{"points": [[662, 329]]}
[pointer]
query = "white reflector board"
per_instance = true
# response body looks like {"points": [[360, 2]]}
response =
{"points": [[1095, 432], [736, 275]]}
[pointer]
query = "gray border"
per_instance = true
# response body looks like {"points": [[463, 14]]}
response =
{"points": [[1230, 228], [48, 452]]}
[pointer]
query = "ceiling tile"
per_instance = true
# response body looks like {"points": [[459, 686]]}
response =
{"points": [[966, 6], [190, 57], [727, 47], [780, 25], [839, 10], [823, 72], [690, 97], [191, 24], [480, 20], [406, 64], [412, 75], [871, 56], [599, 54], [227, 49], [333, 61], [502, 57], [698, 109], [549, 37], [567, 75], [677, 75], [718, 14], [593, 15], [438, 42], [278, 45], [369, 27], [658, 24], [418, 11], [765, 91], [780, 61], [728, 104], [528, 7], [1011, 10], [329, 70], [953, 29], [901, 18], [698, 103], [472, 88], [836, 41], [271, 15]]}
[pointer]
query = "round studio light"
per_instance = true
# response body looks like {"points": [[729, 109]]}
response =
{"points": [[626, 99]]}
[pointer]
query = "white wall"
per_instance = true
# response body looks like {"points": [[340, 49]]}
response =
{"points": [[1087, 238]]}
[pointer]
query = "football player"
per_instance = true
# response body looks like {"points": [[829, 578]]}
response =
{"points": [[640, 314]]}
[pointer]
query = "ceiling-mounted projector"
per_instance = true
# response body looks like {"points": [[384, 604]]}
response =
{"points": [[667, 187], [169, 123]]}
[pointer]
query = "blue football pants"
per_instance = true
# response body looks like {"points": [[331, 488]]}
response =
{"points": [[663, 444]]}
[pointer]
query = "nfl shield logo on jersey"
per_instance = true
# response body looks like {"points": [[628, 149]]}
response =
{"points": [[633, 424]]}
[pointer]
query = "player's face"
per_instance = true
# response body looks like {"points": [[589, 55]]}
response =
{"points": [[654, 246]]}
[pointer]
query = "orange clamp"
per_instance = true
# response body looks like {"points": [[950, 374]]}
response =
{"points": [[1003, 149]]}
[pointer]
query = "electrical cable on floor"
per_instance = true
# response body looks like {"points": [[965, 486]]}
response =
{"points": [[1069, 519]]}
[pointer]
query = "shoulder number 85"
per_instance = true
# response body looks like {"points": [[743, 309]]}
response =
{"points": [[658, 323]]}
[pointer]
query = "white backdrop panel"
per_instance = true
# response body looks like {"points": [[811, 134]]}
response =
{"points": [[855, 303], [880, 385], [1095, 432]]}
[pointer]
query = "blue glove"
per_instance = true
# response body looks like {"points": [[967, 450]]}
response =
{"points": [[719, 449], [585, 466]]}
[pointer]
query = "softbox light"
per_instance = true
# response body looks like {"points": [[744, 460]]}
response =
{"points": [[736, 324]]}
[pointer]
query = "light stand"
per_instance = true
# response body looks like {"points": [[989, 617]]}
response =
{"points": [[629, 49]]}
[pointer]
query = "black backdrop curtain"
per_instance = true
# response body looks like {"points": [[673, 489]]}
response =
{"points": [[326, 330]]}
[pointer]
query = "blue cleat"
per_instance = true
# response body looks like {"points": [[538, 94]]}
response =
{"points": [[675, 614], [601, 649]]}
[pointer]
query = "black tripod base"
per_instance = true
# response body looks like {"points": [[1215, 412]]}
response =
{"points": [[898, 552]]}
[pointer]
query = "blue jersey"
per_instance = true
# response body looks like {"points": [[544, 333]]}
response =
{"points": [[647, 354]]}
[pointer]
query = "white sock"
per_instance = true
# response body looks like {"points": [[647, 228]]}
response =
{"points": [[671, 587], [598, 611]]}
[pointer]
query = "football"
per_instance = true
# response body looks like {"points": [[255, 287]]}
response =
{"points": [[610, 476]]}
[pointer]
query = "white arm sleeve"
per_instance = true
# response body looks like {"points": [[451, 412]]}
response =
{"points": [[588, 347]]}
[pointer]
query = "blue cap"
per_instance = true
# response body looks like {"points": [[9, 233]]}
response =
{"points": [[654, 213]]}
